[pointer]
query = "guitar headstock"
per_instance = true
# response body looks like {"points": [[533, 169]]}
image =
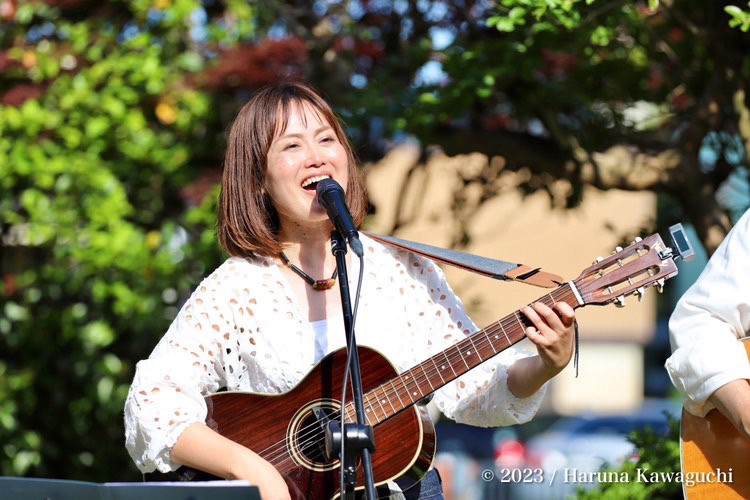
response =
{"points": [[646, 262]]}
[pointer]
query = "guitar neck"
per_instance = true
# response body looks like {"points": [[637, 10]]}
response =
{"points": [[435, 372]]}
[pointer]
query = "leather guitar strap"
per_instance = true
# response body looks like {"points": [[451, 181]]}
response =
{"points": [[497, 269]]}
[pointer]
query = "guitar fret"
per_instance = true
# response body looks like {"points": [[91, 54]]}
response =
{"points": [[350, 413], [395, 391], [477, 351], [491, 341], [463, 359], [413, 395], [518, 318], [438, 370], [427, 377], [369, 411], [487, 350], [386, 398], [505, 333], [382, 410], [449, 364]]}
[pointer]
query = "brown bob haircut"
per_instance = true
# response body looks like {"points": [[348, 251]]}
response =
{"points": [[248, 222]]}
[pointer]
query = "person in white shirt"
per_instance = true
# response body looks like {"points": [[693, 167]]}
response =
{"points": [[708, 365], [260, 322]]}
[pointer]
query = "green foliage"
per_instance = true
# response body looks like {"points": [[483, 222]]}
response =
{"points": [[109, 123], [544, 15], [98, 245], [549, 53], [552, 15], [740, 18], [658, 455]]}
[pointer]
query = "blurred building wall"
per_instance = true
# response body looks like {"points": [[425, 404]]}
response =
{"points": [[434, 201]]}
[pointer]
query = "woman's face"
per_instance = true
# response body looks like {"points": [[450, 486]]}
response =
{"points": [[306, 152]]}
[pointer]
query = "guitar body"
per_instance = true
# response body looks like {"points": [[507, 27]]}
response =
{"points": [[710, 444], [284, 430]]}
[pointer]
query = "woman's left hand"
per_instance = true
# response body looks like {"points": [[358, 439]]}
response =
{"points": [[552, 333]]}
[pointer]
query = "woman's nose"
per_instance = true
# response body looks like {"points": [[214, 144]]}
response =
{"points": [[313, 157]]}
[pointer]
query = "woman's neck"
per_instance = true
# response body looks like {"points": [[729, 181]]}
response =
{"points": [[308, 247]]}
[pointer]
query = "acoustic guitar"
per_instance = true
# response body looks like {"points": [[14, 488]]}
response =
{"points": [[714, 455], [288, 429]]}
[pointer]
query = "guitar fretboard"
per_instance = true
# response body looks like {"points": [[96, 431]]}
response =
{"points": [[425, 378]]}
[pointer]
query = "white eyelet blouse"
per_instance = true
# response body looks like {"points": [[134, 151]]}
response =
{"points": [[242, 329]]}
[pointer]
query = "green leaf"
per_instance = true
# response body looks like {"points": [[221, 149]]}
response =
{"points": [[428, 98]]}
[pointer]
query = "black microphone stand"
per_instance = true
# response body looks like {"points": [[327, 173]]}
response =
{"points": [[358, 438]]}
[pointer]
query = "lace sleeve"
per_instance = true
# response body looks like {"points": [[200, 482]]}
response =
{"points": [[168, 389]]}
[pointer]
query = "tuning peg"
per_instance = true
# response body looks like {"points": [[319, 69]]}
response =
{"points": [[637, 239], [618, 249], [598, 260], [620, 301], [660, 285], [640, 292]]}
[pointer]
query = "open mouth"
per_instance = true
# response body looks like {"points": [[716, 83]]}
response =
{"points": [[312, 183]]}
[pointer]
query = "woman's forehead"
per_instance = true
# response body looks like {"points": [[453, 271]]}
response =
{"points": [[302, 111]]}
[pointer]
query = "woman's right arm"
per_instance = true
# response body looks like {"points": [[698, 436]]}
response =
{"points": [[201, 448]]}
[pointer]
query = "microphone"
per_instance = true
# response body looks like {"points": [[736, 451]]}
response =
{"points": [[331, 197]]}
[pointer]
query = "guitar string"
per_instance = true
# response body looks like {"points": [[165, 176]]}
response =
{"points": [[307, 434], [483, 342]]}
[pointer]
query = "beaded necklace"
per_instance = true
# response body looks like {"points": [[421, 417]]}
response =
{"points": [[318, 285]]}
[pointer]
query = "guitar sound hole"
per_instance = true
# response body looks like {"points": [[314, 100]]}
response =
{"points": [[310, 438]]}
